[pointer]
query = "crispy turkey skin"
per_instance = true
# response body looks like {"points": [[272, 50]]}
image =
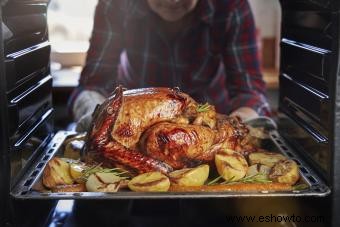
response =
{"points": [[159, 129]]}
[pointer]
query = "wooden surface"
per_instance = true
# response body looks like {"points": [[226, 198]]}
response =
{"points": [[271, 77], [269, 50]]}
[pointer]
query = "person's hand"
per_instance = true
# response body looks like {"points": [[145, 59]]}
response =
{"points": [[245, 113], [83, 108]]}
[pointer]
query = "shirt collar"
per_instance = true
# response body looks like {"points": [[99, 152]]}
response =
{"points": [[138, 9]]}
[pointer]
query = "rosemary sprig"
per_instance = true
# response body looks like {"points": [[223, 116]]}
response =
{"points": [[116, 171], [214, 181], [88, 171], [257, 178], [98, 169], [203, 107], [92, 169]]}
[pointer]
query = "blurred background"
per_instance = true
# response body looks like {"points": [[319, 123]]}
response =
{"points": [[70, 29]]}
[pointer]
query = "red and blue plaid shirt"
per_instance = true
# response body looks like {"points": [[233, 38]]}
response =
{"points": [[215, 60]]}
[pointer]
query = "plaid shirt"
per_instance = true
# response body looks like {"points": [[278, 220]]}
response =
{"points": [[215, 60]]}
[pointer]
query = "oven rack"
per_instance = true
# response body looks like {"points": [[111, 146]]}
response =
{"points": [[23, 188]]}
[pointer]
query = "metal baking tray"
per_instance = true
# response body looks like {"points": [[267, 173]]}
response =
{"points": [[24, 188]]}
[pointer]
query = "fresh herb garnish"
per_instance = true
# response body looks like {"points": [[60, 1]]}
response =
{"points": [[203, 107], [214, 181], [98, 169], [257, 178]]}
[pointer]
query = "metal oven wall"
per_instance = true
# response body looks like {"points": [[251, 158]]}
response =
{"points": [[336, 133], [4, 167]]}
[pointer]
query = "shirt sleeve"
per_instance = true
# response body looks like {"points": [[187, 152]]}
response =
{"points": [[242, 64], [106, 44]]}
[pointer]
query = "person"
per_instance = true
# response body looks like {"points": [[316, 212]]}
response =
{"points": [[207, 48]]}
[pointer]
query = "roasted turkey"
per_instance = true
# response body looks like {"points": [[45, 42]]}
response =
{"points": [[160, 129]]}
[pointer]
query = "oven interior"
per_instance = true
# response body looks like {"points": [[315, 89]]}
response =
{"points": [[307, 103]]}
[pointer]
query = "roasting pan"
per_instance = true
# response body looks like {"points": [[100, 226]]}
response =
{"points": [[25, 187]]}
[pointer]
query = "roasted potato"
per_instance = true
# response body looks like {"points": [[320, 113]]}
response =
{"points": [[150, 182], [258, 169], [230, 165], [57, 172], [190, 176], [285, 171], [103, 182], [265, 158], [76, 170]]}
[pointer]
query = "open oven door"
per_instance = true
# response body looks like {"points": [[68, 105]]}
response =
{"points": [[25, 98], [309, 87]]}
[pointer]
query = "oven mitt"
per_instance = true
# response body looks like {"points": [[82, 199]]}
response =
{"points": [[83, 108], [262, 121]]}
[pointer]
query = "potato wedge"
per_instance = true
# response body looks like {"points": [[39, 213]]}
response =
{"points": [[56, 172], [265, 158], [150, 182], [230, 165], [76, 170], [190, 176], [286, 171], [258, 169], [103, 182]]}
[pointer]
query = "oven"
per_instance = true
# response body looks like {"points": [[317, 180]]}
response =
{"points": [[308, 121], [26, 92]]}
